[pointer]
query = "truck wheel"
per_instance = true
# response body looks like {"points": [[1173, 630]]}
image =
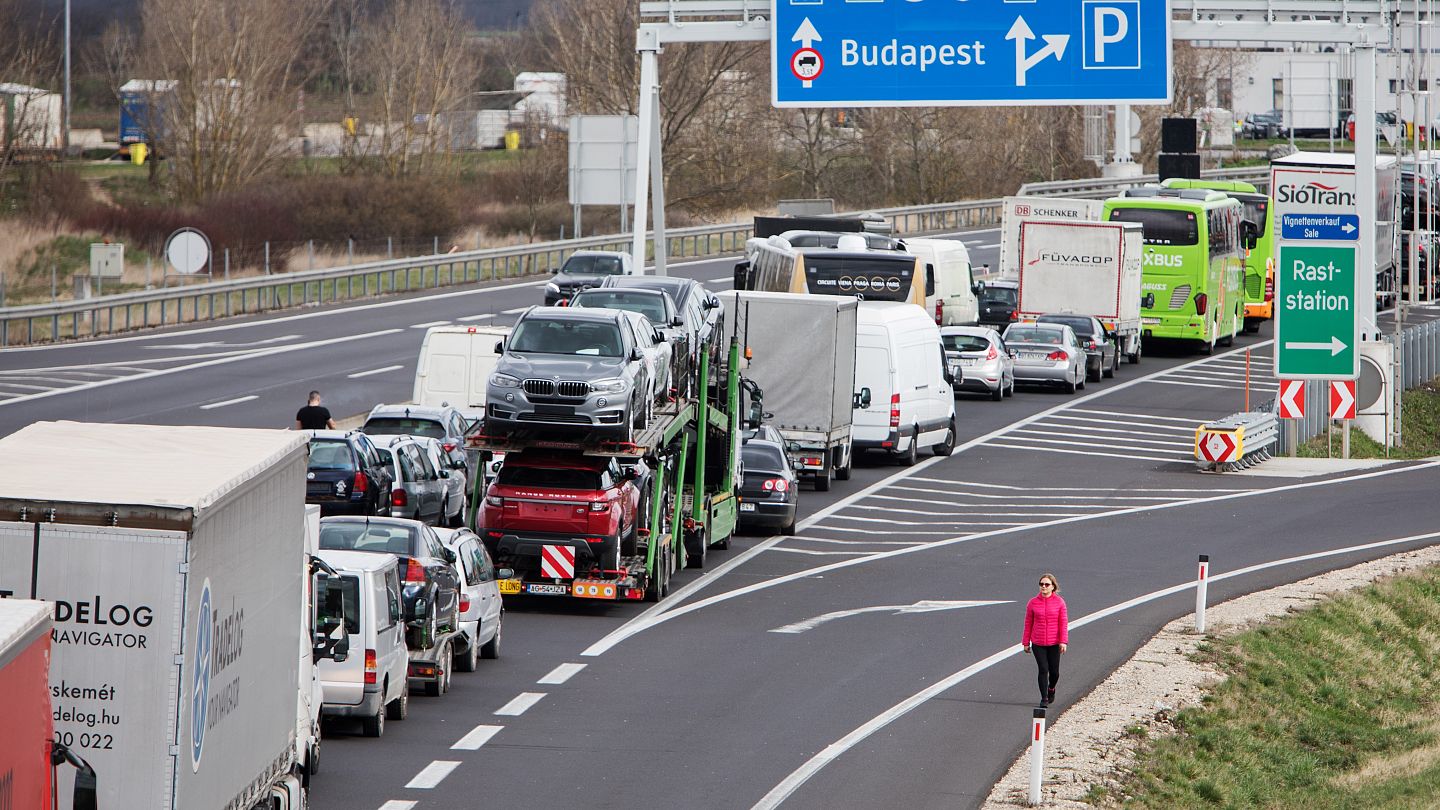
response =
{"points": [[695, 544], [443, 662], [822, 482], [659, 584], [399, 708], [1134, 357], [490, 650], [946, 447], [843, 473]]}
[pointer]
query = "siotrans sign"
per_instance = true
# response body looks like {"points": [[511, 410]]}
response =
{"points": [[1315, 313], [879, 53]]}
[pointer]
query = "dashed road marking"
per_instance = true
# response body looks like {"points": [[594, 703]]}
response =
{"points": [[520, 704], [357, 375], [477, 737], [561, 674], [433, 774], [484, 317], [429, 324], [235, 401]]}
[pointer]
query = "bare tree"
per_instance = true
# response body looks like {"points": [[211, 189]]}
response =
{"points": [[27, 60], [235, 65], [112, 55]]}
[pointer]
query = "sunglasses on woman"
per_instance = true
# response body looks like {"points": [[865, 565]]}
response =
{"points": [[1047, 585]]}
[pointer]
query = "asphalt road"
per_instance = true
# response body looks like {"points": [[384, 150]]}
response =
{"points": [[896, 679]]}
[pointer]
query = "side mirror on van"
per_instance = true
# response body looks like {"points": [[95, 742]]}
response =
{"points": [[636, 354], [929, 280], [1249, 234], [677, 321], [862, 399], [978, 288]]}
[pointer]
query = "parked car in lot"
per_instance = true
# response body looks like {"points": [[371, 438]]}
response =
{"points": [[570, 369], [979, 360], [585, 269], [1047, 354], [1102, 356], [1263, 126], [540, 498], [422, 488], [370, 683], [659, 308], [481, 611], [430, 584], [346, 475], [443, 423], [769, 490], [701, 314], [998, 300]]}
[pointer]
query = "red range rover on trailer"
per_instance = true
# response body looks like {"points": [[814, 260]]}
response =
{"points": [[561, 516]]}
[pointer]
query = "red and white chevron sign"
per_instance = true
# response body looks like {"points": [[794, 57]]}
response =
{"points": [[557, 562], [1292, 399], [1342, 399], [1218, 447]]}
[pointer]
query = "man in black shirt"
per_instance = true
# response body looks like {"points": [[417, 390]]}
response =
{"points": [[314, 416]]}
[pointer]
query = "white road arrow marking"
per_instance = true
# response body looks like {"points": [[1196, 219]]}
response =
{"points": [[1335, 345], [1054, 45], [806, 34], [923, 606]]}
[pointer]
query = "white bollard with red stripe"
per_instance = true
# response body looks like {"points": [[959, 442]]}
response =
{"points": [[1037, 755], [1202, 584]]}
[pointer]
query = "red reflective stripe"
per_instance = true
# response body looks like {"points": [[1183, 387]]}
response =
{"points": [[1202, 570], [1038, 725]]}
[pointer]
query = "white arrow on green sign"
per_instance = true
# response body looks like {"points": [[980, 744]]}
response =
{"points": [[1315, 331]]}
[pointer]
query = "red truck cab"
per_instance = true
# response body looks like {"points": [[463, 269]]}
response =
{"points": [[587, 503]]}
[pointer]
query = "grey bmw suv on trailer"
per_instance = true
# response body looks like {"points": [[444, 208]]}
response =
{"points": [[569, 369]]}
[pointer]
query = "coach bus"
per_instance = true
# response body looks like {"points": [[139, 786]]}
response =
{"points": [[1259, 261], [1193, 286], [849, 267]]}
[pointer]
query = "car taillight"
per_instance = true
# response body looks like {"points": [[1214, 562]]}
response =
{"points": [[414, 571], [992, 354], [494, 500], [595, 540], [894, 410], [1201, 301], [776, 485], [599, 506], [464, 603], [1089, 344], [1056, 355], [399, 497], [1014, 316], [939, 310], [370, 666], [361, 483], [448, 447]]}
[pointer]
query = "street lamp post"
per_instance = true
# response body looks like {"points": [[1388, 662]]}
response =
{"points": [[65, 130]]}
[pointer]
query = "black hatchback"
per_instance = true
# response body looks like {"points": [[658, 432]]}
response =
{"points": [[998, 300], [346, 475], [769, 492]]}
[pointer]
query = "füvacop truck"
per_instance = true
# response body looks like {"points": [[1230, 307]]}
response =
{"points": [[800, 350], [1021, 209], [1083, 268], [175, 559]]}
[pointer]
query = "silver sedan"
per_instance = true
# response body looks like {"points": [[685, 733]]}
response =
{"points": [[979, 360], [1047, 354]]}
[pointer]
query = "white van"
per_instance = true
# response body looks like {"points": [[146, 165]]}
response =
{"points": [[949, 281], [905, 387], [455, 364], [371, 683]]}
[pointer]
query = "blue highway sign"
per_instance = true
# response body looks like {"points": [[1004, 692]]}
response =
{"points": [[1320, 227], [882, 53]]}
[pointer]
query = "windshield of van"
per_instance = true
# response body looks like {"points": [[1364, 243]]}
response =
{"points": [[593, 266], [544, 336], [1161, 226], [398, 426], [548, 477], [651, 306]]}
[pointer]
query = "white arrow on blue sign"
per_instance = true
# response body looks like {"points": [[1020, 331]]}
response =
{"points": [[878, 53], [1320, 227]]}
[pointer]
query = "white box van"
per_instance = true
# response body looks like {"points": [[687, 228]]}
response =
{"points": [[900, 364], [455, 364], [949, 281], [371, 683]]}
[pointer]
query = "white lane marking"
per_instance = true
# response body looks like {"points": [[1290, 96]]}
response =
{"points": [[890, 522], [987, 510], [1189, 420], [433, 774], [1115, 442], [477, 737], [357, 375], [396, 804], [923, 606], [520, 704], [1042, 497], [1193, 384], [1079, 489], [830, 753], [9, 384], [675, 603], [429, 324], [235, 401], [21, 375], [809, 539], [988, 245], [1060, 420], [1089, 453], [815, 553], [561, 674], [487, 316], [233, 358], [515, 311], [949, 533]]}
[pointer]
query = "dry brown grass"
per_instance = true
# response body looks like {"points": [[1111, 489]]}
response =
{"points": [[17, 238]]}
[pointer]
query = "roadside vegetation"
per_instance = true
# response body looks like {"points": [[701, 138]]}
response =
{"points": [[1420, 431], [1334, 706]]}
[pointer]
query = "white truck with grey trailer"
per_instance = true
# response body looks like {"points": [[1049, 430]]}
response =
{"points": [[800, 351], [1084, 268], [176, 560]]}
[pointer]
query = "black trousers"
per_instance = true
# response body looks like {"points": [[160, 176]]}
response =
{"points": [[1047, 661]]}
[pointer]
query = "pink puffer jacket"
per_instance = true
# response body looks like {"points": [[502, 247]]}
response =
{"points": [[1047, 622]]}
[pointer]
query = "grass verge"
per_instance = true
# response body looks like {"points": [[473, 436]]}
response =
{"points": [[1420, 429], [1331, 707]]}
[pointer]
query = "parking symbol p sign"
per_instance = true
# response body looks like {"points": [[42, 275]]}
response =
{"points": [[1112, 34]]}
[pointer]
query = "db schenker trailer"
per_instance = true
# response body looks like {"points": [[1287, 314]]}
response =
{"points": [[691, 447]]}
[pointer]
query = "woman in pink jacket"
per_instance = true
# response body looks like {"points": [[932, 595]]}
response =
{"points": [[1047, 632]]}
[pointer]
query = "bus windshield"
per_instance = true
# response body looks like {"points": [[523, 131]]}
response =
{"points": [[1161, 226]]}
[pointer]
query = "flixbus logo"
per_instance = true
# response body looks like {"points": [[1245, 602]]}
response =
{"points": [[1163, 260], [1313, 193]]}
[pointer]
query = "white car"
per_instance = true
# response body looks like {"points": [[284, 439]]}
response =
{"points": [[481, 611], [657, 351], [453, 511], [371, 683]]}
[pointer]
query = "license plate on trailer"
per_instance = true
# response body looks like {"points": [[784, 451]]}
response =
{"points": [[546, 589], [747, 507], [511, 586]]}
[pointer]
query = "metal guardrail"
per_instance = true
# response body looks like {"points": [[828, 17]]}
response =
{"points": [[93, 317], [1251, 438]]}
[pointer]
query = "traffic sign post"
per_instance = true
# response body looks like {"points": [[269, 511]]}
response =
{"points": [[829, 53], [1315, 323]]}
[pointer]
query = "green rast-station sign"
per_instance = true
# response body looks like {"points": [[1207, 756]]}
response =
{"points": [[1315, 332]]}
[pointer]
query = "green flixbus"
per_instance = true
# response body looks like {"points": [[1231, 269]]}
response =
{"points": [[1193, 286], [1259, 260]]}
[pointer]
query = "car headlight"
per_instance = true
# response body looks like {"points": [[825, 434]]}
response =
{"points": [[504, 381], [551, 286], [612, 386]]}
